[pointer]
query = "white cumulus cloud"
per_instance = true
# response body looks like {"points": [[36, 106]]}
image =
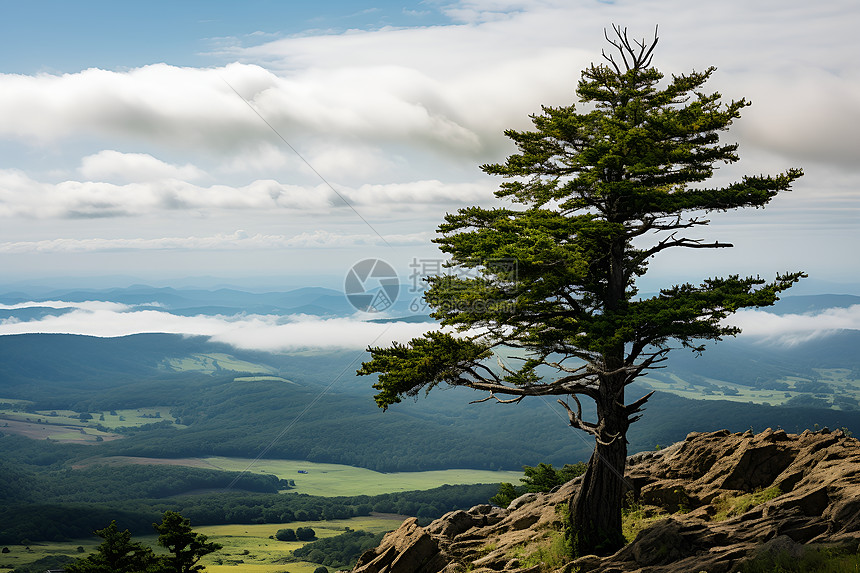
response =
{"points": [[258, 332], [109, 165], [795, 328]]}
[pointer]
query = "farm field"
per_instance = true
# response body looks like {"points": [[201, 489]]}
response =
{"points": [[329, 480], [265, 555], [210, 363], [246, 547], [836, 382], [67, 426]]}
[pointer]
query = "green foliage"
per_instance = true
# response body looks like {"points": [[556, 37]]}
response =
{"points": [[119, 554], [286, 534], [540, 478], [635, 518], [734, 505], [506, 494], [544, 477], [340, 551], [305, 534], [594, 196], [549, 553], [589, 184], [185, 547], [116, 554]]}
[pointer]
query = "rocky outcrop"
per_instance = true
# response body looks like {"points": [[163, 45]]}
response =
{"points": [[691, 483]]}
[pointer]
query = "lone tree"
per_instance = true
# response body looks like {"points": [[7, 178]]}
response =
{"points": [[595, 195], [185, 547]]}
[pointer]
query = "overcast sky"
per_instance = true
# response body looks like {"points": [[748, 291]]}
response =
{"points": [[134, 138]]}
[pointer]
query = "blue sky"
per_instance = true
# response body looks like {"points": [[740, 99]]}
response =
{"points": [[125, 152], [61, 36]]}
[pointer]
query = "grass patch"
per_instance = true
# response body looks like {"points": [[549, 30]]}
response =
{"points": [[67, 426], [262, 379], [215, 362], [636, 517], [331, 480], [247, 548], [22, 556], [817, 560], [550, 552], [733, 505]]}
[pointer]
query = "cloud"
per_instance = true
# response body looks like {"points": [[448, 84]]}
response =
{"points": [[109, 165], [21, 195], [89, 305], [504, 58], [257, 332], [277, 333], [793, 329], [198, 108], [237, 240]]}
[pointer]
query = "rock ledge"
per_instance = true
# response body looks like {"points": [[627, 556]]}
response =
{"points": [[818, 475]]}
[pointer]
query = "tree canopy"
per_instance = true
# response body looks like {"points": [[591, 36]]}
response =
{"points": [[119, 554], [550, 304]]}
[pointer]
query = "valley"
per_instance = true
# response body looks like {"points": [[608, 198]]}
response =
{"points": [[245, 442]]}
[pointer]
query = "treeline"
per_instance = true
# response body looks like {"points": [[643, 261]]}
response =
{"points": [[106, 483], [341, 551], [240, 419], [61, 521]]}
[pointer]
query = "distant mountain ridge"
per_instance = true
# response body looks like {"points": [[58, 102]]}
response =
{"points": [[317, 301], [226, 416]]}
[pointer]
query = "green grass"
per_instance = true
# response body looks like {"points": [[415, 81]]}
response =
{"points": [[550, 551], [19, 556], [14, 401], [66, 425], [215, 362], [815, 560], [636, 518], [734, 505], [839, 379], [262, 379], [246, 547], [332, 480]]}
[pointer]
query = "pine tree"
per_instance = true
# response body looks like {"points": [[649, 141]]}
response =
{"points": [[116, 554], [185, 546], [595, 194]]}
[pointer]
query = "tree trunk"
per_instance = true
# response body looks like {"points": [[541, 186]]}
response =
{"points": [[595, 510]]}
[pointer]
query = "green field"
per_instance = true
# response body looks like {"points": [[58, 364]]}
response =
{"points": [[838, 380], [66, 425], [215, 362], [331, 480], [246, 547], [112, 418], [262, 379]]}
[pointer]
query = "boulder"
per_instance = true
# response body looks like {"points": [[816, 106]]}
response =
{"points": [[818, 502]]}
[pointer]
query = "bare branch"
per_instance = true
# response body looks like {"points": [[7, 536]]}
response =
{"points": [[636, 406], [499, 400], [576, 418], [639, 58]]}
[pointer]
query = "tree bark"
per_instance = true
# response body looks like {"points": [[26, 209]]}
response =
{"points": [[595, 509]]}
